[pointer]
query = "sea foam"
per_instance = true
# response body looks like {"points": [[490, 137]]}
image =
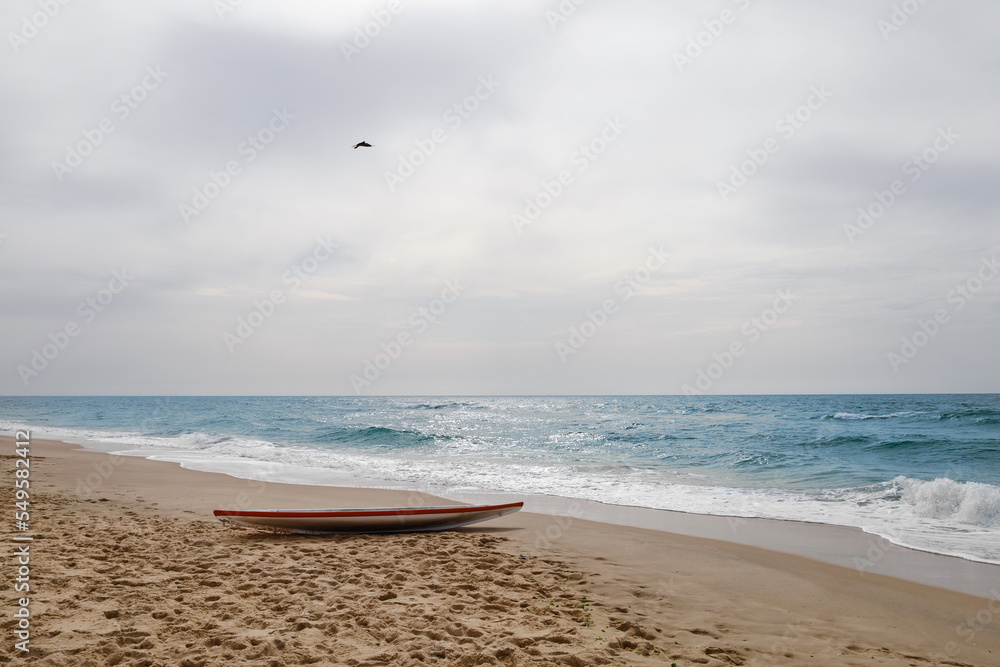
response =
{"points": [[971, 503]]}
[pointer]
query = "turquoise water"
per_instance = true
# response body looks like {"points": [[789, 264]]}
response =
{"points": [[921, 470]]}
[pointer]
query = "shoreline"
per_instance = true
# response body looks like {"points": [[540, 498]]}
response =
{"points": [[836, 544], [865, 478], [714, 598]]}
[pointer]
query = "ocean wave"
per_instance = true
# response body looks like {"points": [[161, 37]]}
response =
{"points": [[971, 503], [376, 435], [981, 415], [433, 405], [7, 425], [641, 437], [758, 459], [838, 441], [129, 440], [852, 416], [903, 444]]}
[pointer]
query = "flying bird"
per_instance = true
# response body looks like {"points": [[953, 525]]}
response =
{"points": [[363, 143]]}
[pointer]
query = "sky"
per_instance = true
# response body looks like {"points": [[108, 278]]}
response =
{"points": [[629, 197]]}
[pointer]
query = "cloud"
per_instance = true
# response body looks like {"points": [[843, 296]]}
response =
{"points": [[557, 87]]}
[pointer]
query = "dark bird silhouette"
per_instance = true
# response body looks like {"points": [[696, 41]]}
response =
{"points": [[363, 143]]}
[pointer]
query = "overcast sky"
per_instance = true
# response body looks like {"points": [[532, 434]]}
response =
{"points": [[630, 197]]}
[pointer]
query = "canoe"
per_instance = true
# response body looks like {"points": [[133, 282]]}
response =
{"points": [[369, 520]]}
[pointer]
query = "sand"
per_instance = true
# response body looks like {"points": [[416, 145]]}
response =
{"points": [[128, 567]]}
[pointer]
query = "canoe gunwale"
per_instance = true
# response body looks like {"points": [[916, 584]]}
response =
{"points": [[376, 520], [363, 512]]}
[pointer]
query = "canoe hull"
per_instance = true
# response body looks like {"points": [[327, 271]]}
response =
{"points": [[369, 520]]}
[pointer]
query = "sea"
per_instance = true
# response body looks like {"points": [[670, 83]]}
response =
{"points": [[922, 471]]}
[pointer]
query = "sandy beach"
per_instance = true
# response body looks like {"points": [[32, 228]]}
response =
{"points": [[128, 567]]}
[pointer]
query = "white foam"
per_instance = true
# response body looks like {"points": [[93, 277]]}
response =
{"points": [[857, 416], [970, 503], [7, 426]]}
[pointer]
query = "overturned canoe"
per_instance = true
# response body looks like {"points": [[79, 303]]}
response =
{"points": [[373, 520]]}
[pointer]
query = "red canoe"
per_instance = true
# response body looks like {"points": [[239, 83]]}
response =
{"points": [[374, 520]]}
